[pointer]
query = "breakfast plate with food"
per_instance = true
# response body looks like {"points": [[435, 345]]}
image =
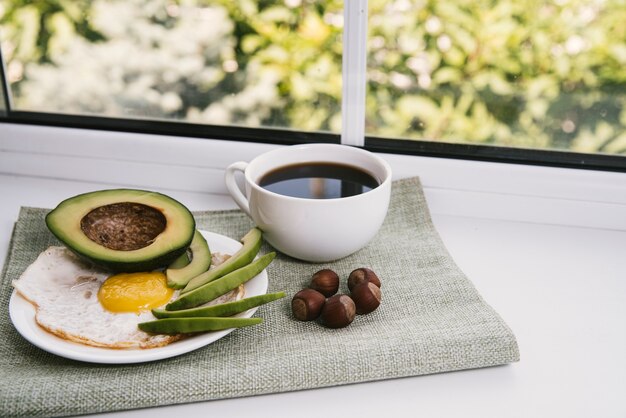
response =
{"points": [[95, 300]]}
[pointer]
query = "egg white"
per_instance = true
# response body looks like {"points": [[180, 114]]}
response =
{"points": [[64, 291]]}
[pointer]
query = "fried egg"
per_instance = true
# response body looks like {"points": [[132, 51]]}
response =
{"points": [[82, 303]]}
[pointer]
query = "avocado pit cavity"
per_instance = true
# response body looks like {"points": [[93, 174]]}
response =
{"points": [[124, 226], [123, 230]]}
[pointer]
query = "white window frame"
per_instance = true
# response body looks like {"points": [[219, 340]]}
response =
{"points": [[353, 105], [354, 72]]}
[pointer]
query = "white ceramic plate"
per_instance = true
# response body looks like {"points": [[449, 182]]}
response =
{"points": [[23, 317]]}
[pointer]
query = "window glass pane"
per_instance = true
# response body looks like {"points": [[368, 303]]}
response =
{"points": [[225, 62], [519, 73]]}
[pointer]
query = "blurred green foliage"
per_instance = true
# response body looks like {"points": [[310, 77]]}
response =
{"points": [[517, 73], [303, 50], [37, 27], [531, 73]]}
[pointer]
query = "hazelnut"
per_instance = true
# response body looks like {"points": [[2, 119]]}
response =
{"points": [[307, 304], [362, 275], [338, 312], [326, 282], [366, 296]]}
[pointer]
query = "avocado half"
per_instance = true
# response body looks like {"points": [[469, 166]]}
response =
{"points": [[124, 230]]}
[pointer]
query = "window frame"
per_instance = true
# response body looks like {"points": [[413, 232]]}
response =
{"points": [[354, 72], [5, 104], [476, 152], [281, 136]]}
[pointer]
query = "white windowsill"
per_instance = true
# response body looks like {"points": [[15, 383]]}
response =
{"points": [[544, 246]]}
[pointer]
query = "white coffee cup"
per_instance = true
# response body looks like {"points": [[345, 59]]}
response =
{"points": [[316, 230]]}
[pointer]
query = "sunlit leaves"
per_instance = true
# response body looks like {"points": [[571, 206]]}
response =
{"points": [[529, 73], [516, 73]]}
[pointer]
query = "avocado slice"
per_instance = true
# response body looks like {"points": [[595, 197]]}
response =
{"points": [[123, 230], [192, 325], [177, 278], [251, 245], [181, 261], [221, 286], [222, 309]]}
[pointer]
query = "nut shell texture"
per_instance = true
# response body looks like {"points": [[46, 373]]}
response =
{"points": [[326, 282], [307, 304], [362, 275], [338, 312], [366, 296]]}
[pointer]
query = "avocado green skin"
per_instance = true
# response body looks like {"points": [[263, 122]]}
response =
{"points": [[192, 325], [180, 262], [123, 267], [223, 309], [251, 245], [223, 285], [107, 258], [177, 278]]}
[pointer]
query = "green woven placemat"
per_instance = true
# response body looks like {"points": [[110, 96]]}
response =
{"points": [[431, 320]]}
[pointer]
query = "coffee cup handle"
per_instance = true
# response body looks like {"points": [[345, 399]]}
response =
{"points": [[233, 188]]}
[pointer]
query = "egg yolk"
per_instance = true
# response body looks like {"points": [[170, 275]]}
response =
{"points": [[134, 292]]}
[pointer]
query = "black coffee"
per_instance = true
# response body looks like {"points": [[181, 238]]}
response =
{"points": [[318, 181]]}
